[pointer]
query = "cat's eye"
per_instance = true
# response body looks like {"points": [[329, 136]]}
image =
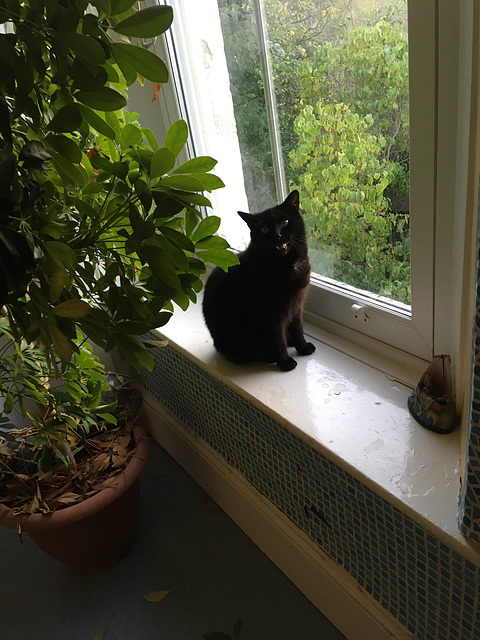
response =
{"points": [[264, 229], [284, 223]]}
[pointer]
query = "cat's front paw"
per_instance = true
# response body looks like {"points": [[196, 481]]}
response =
{"points": [[306, 349], [288, 364]]}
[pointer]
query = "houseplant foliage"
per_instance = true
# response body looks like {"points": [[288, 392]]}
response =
{"points": [[102, 229]]}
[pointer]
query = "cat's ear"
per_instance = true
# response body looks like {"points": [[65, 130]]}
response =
{"points": [[293, 200], [249, 218]]}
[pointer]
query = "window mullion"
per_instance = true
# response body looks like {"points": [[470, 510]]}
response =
{"points": [[270, 103]]}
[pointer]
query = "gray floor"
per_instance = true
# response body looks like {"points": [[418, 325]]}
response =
{"points": [[185, 544]]}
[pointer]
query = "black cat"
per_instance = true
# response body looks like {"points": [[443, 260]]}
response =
{"points": [[254, 311]]}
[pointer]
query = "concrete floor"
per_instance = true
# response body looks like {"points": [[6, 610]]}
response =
{"points": [[184, 544]]}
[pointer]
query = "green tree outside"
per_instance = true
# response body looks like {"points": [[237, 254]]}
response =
{"points": [[341, 80]]}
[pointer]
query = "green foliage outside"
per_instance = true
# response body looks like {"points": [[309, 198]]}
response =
{"points": [[341, 81]]}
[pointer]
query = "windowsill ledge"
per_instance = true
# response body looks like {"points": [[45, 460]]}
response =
{"points": [[350, 411]]}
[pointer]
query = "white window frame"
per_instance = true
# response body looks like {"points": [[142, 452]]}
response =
{"points": [[439, 106]]}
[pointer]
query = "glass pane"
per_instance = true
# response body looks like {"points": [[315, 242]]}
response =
{"points": [[340, 72]]}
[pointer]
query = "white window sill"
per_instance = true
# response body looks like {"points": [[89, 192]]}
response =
{"points": [[352, 412]]}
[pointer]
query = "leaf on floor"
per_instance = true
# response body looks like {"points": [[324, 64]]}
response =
{"points": [[156, 596], [237, 628], [100, 634], [216, 635]]}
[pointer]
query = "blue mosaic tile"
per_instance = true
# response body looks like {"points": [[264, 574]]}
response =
{"points": [[425, 585]]}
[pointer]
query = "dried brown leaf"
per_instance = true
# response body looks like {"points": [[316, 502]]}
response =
{"points": [[33, 506], [69, 498], [100, 634], [156, 596]]}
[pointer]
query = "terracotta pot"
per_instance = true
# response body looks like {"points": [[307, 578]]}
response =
{"points": [[93, 535]]}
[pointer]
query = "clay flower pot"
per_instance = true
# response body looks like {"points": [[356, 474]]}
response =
{"points": [[93, 535]]}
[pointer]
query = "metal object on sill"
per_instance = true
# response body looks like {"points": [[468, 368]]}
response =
{"points": [[431, 403]]}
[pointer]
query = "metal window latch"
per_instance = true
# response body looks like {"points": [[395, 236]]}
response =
{"points": [[359, 313]]}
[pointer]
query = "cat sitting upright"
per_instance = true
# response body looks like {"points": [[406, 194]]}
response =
{"points": [[254, 311]]}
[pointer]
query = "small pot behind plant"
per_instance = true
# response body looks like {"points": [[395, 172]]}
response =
{"points": [[93, 535]]}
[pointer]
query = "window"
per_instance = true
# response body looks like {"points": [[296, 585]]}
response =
{"points": [[355, 104]]}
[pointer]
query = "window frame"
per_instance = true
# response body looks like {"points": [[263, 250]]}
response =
{"points": [[436, 180]]}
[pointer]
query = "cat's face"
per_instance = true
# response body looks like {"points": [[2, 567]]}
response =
{"points": [[278, 230]]}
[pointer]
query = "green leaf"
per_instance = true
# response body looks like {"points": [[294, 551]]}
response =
{"points": [[120, 6], [145, 62], [68, 171], [84, 46], [66, 147], [150, 138], [106, 408], [186, 183], [207, 227], [178, 238], [68, 118], [130, 135], [62, 345], [209, 181], [8, 406], [72, 309], [163, 161], [97, 122], [122, 60], [60, 251], [221, 258], [58, 281], [112, 119], [202, 164], [103, 99], [182, 300], [177, 136], [147, 23], [212, 242]]}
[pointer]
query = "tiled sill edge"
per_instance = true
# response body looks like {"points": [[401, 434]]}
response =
{"points": [[353, 413]]}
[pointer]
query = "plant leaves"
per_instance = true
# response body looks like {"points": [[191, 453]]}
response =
{"points": [[207, 227], [100, 634], [60, 251], [177, 136], [163, 161], [186, 183], [201, 164], [97, 122], [147, 23], [130, 135], [66, 147], [85, 47], [72, 309], [156, 596], [145, 62], [103, 99], [62, 346], [120, 6], [68, 118], [57, 283], [178, 238]]}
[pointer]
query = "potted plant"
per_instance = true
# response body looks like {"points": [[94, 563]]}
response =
{"points": [[102, 231]]}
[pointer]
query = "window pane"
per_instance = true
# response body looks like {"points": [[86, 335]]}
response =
{"points": [[340, 73]]}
